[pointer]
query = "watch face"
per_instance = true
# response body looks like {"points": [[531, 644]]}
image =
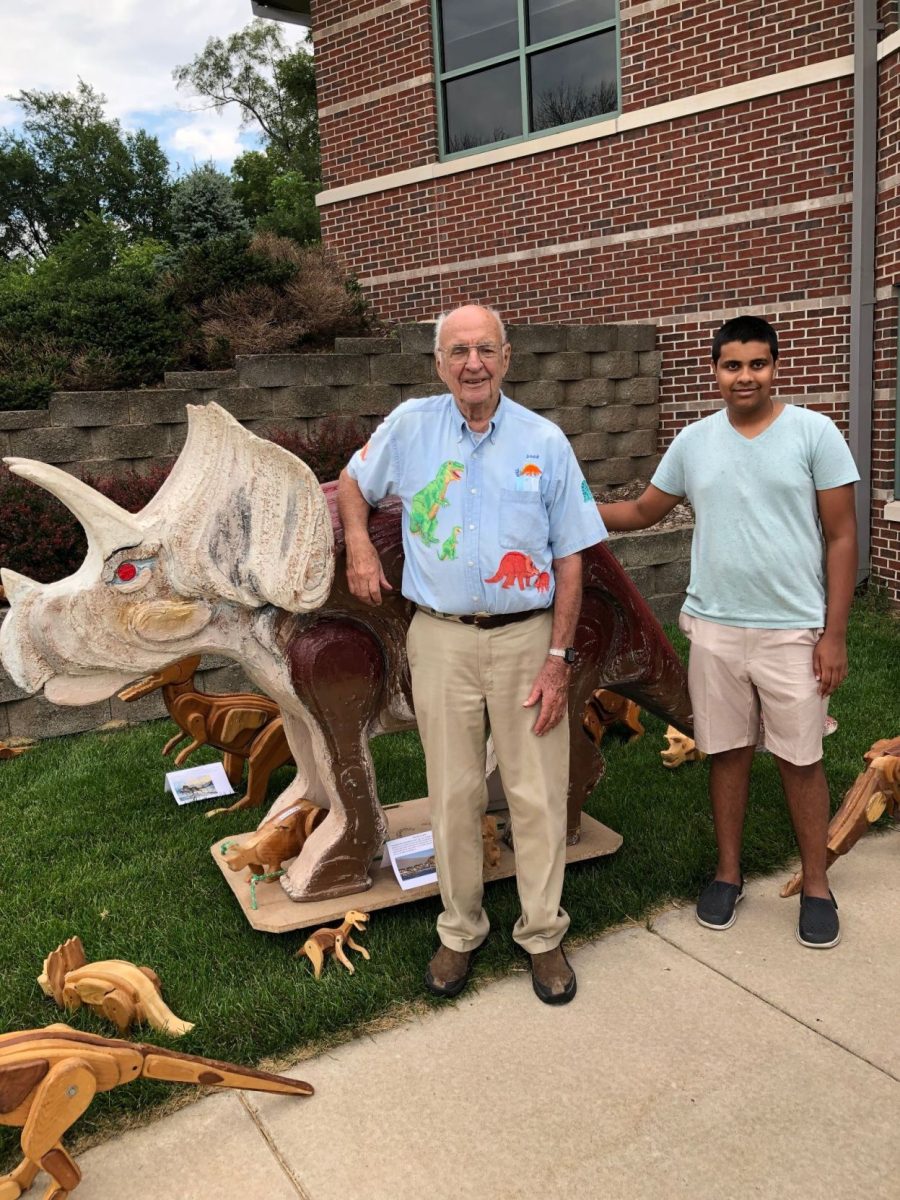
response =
{"points": [[569, 655]]}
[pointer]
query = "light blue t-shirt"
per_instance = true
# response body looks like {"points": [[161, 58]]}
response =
{"points": [[483, 515], [757, 553]]}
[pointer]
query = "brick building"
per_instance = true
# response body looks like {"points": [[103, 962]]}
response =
{"points": [[673, 162]]}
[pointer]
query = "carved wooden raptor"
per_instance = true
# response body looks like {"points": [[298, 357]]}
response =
{"points": [[48, 1078]]}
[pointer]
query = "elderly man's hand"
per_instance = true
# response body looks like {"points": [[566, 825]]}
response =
{"points": [[365, 576], [551, 688]]}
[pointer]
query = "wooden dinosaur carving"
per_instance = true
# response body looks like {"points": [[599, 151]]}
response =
{"points": [[48, 1078], [875, 791], [605, 709], [240, 724], [280, 837], [332, 941], [118, 990], [679, 749]]}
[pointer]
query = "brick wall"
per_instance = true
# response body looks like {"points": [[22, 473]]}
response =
{"points": [[886, 533], [681, 219], [598, 383]]}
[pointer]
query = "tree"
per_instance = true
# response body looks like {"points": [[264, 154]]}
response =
{"points": [[275, 89], [204, 207], [70, 161]]}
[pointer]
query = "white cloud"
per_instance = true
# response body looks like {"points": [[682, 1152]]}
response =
{"points": [[127, 50]]}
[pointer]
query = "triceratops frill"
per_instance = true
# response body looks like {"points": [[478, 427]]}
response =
{"points": [[240, 553]]}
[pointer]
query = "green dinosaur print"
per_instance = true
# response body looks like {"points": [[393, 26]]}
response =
{"points": [[427, 503], [448, 550]]}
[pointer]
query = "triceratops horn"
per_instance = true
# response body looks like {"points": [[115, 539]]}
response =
{"points": [[107, 526], [17, 586]]}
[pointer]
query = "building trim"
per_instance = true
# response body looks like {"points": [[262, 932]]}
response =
{"points": [[395, 89], [687, 106], [579, 245]]}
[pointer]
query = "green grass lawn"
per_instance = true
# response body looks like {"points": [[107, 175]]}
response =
{"points": [[91, 846]]}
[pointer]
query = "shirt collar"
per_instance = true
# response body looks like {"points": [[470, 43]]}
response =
{"points": [[462, 426]]}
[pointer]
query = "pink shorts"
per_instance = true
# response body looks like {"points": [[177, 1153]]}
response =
{"points": [[736, 673]]}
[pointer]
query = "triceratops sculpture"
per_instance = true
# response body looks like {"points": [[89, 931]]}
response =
{"points": [[240, 553]]}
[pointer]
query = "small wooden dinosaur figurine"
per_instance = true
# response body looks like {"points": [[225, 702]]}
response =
{"points": [[240, 724], [278, 838], [118, 990], [680, 749], [48, 1078], [874, 791], [332, 941], [608, 708]]}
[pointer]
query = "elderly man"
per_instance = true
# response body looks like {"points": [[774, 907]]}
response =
{"points": [[496, 514]]}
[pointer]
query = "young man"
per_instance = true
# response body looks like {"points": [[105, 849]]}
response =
{"points": [[765, 616]]}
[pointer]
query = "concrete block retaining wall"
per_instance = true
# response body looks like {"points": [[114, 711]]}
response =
{"points": [[600, 384]]}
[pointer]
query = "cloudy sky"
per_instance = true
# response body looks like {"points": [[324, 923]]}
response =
{"points": [[127, 49]]}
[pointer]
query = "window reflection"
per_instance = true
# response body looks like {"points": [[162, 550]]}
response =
{"points": [[573, 82], [553, 18], [476, 30], [483, 108]]}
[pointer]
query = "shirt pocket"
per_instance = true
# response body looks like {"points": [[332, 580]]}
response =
{"points": [[524, 524]]}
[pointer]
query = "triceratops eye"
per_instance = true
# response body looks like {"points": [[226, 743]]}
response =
{"points": [[132, 573]]}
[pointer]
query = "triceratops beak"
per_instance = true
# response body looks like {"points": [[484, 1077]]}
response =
{"points": [[108, 527], [17, 586]]}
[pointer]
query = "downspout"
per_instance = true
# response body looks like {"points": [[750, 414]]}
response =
{"points": [[862, 270]]}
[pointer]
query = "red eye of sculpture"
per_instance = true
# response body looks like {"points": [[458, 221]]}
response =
{"points": [[126, 571]]}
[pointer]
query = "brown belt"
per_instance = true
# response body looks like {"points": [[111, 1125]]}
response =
{"points": [[483, 620]]}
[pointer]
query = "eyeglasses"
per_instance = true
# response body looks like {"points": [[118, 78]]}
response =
{"points": [[486, 352]]}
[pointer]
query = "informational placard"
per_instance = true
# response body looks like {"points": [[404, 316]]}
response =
{"points": [[199, 783], [413, 860]]}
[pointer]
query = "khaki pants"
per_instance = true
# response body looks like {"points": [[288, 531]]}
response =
{"points": [[467, 682]]}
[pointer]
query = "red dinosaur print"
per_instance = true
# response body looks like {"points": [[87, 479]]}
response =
{"points": [[515, 567], [543, 582]]}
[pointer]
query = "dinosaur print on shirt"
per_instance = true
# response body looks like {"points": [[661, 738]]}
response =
{"points": [[427, 503]]}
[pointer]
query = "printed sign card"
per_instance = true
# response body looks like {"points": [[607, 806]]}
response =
{"points": [[198, 783]]}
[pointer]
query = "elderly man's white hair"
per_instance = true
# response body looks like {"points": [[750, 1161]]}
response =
{"points": [[492, 312]]}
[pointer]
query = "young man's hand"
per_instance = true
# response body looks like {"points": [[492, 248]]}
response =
{"points": [[830, 662]]}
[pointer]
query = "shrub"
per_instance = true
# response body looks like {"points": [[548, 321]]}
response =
{"points": [[310, 308], [39, 537]]}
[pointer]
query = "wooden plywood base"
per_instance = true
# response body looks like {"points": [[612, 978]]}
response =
{"points": [[277, 913]]}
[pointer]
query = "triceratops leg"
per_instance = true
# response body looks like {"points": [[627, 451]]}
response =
{"points": [[337, 669]]}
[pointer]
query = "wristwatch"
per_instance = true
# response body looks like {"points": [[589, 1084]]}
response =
{"points": [[567, 655]]}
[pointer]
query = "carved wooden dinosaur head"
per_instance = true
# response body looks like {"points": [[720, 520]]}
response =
{"points": [[239, 524]]}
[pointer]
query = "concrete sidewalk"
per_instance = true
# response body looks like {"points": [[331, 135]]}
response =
{"points": [[710, 1066]]}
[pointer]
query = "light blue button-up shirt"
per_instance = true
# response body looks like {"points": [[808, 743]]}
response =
{"points": [[484, 515]]}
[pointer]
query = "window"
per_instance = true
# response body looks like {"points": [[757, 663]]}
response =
{"points": [[511, 69]]}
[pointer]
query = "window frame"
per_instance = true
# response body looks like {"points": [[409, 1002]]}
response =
{"points": [[522, 56]]}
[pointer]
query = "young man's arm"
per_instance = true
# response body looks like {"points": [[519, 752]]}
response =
{"points": [[365, 576], [837, 514], [649, 508]]}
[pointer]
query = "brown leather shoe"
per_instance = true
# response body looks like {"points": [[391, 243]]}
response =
{"points": [[551, 976], [449, 970]]}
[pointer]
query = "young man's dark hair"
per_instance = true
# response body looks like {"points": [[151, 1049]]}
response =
{"points": [[745, 329]]}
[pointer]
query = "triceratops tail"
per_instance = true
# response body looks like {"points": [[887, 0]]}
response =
{"points": [[618, 632], [187, 1068]]}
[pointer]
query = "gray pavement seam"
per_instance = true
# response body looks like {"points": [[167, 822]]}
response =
{"points": [[776, 1007], [257, 1120]]}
